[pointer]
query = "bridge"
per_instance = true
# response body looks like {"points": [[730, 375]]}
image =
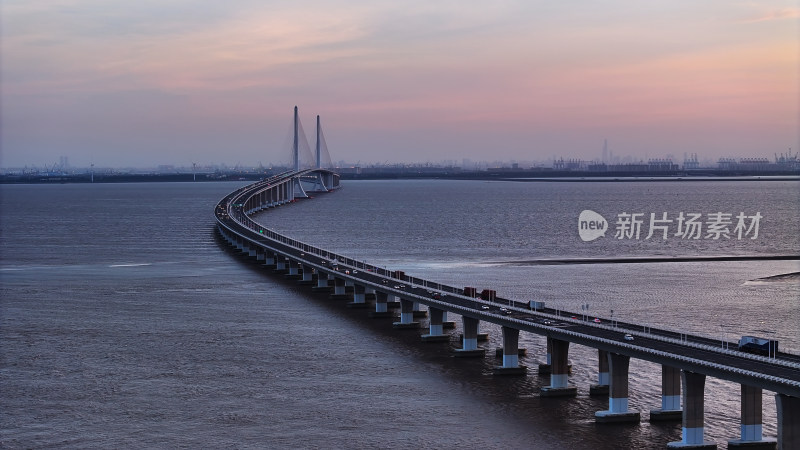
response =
{"points": [[686, 360]]}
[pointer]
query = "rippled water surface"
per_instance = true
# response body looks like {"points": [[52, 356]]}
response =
{"points": [[126, 324]]}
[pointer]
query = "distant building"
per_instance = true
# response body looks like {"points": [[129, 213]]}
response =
{"points": [[569, 165], [661, 165], [691, 162], [758, 164]]}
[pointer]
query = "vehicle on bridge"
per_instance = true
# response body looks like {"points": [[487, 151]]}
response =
{"points": [[761, 346]]}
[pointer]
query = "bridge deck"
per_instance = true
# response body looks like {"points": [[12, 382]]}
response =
{"points": [[700, 354]]}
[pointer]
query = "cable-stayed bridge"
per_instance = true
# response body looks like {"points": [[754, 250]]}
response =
{"points": [[686, 360]]}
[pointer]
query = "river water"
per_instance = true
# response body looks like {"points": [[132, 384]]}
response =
{"points": [[125, 323]]}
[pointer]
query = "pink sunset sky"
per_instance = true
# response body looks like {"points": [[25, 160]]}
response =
{"points": [[148, 82]]}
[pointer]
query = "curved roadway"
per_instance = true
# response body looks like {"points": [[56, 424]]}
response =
{"points": [[698, 354]]}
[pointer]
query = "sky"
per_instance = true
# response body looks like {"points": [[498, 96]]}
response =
{"points": [[175, 82]]}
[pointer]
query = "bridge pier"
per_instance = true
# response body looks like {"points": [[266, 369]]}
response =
{"points": [[510, 354], [447, 324], [392, 301], [559, 371], [294, 269], [618, 392], [418, 313], [308, 276], [788, 421], [322, 282], [601, 388], [544, 369], [260, 254], [406, 315], [381, 306], [224, 233], [269, 259], [469, 345], [339, 289], [693, 385], [751, 426], [280, 264], [670, 396], [436, 332], [473, 293], [359, 297]]}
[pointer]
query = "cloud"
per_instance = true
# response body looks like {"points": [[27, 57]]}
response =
{"points": [[775, 14], [417, 71]]}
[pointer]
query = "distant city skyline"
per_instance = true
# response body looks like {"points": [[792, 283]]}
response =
{"points": [[690, 161], [142, 84]]}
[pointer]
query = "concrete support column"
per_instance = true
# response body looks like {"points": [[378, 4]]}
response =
{"points": [[260, 254], [308, 275], [618, 392], [359, 292], [469, 345], [322, 282], [406, 311], [788, 421], [269, 259], [601, 388], [436, 333], [392, 301], [693, 385], [447, 324], [381, 307], [293, 267], [510, 347], [406, 315], [559, 370], [670, 396], [418, 313], [380, 302], [544, 369], [339, 292], [280, 264], [359, 298], [252, 250], [751, 426], [510, 354]]}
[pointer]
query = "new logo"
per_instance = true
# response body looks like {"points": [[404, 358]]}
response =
{"points": [[591, 225]]}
